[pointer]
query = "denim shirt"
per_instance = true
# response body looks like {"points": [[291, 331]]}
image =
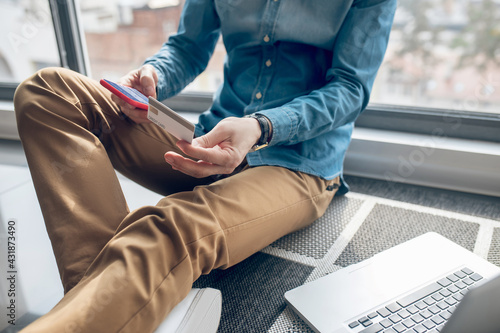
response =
{"points": [[308, 66]]}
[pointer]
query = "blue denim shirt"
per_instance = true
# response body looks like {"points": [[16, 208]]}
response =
{"points": [[308, 66]]}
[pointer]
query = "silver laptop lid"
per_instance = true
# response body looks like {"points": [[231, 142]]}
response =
{"points": [[330, 303], [479, 310]]}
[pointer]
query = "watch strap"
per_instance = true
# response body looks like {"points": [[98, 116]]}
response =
{"points": [[264, 124]]}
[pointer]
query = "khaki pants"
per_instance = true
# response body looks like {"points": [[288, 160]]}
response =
{"points": [[124, 271]]}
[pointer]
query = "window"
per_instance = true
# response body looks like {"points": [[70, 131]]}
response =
{"points": [[27, 42], [441, 71], [121, 34], [443, 60], [442, 66], [443, 54]]}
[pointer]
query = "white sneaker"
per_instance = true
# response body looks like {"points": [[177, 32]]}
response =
{"points": [[199, 312]]}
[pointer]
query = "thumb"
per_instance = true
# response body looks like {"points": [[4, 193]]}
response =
{"points": [[200, 144], [208, 140], [148, 79]]}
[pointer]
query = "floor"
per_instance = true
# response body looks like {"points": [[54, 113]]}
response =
{"points": [[37, 286]]}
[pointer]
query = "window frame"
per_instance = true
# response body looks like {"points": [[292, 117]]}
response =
{"points": [[69, 35], [467, 125], [69, 42], [7, 90]]}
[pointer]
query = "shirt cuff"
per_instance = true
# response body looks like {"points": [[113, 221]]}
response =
{"points": [[284, 123]]}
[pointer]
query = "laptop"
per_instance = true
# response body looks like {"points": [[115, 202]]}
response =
{"points": [[427, 284]]}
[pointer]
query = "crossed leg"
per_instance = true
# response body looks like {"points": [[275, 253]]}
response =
{"points": [[125, 271]]}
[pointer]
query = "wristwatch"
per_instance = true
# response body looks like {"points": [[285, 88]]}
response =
{"points": [[265, 129]]}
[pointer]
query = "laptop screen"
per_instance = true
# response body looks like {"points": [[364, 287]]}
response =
{"points": [[479, 310]]}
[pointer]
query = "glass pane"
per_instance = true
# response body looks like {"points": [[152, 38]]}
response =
{"points": [[121, 34], [443, 54], [27, 41]]}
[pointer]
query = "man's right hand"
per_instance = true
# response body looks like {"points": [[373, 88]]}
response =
{"points": [[143, 79]]}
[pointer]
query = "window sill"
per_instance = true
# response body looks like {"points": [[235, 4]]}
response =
{"points": [[8, 127], [441, 162]]}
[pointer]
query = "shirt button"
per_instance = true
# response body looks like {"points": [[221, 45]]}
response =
{"points": [[258, 95], [268, 63], [266, 38]]}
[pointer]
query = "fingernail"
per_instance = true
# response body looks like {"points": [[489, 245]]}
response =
{"points": [[149, 90], [169, 160]]}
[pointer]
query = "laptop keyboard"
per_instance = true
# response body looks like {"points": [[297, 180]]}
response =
{"points": [[425, 310]]}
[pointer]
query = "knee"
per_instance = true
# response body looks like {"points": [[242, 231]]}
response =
{"points": [[33, 95], [23, 102], [36, 86]]}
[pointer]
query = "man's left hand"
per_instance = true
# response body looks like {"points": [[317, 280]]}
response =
{"points": [[218, 152]]}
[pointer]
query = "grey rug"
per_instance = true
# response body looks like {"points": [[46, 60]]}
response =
{"points": [[354, 228]]}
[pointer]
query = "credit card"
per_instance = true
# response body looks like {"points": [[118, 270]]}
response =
{"points": [[170, 121]]}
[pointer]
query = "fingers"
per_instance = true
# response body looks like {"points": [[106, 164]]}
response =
{"points": [[205, 160], [197, 169], [148, 79], [137, 115], [219, 153], [199, 149], [143, 79]]}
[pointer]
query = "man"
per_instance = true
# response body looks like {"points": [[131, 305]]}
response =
{"points": [[296, 77]]}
